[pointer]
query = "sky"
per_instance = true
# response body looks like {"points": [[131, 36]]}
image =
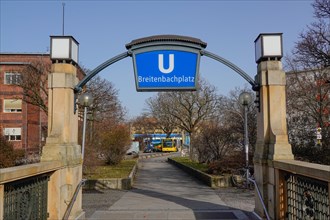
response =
{"points": [[104, 27]]}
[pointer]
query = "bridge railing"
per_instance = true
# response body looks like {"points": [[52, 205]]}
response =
{"points": [[303, 190], [24, 191]]}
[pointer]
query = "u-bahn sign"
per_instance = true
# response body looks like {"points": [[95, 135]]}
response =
{"points": [[166, 62]]}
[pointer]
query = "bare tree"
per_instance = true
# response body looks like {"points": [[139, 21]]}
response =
{"points": [[312, 51], [232, 113], [322, 8], [214, 141], [108, 135], [34, 84], [145, 124], [156, 106], [308, 89], [219, 142], [187, 109], [105, 103]]}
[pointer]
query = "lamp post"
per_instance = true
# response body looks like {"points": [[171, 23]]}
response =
{"points": [[245, 100], [64, 49], [86, 101]]}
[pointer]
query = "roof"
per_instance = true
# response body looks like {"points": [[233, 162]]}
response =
{"points": [[25, 53], [15, 63], [166, 38]]}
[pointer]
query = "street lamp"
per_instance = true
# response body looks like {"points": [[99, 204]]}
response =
{"points": [[86, 101], [64, 49], [268, 46], [245, 100]]}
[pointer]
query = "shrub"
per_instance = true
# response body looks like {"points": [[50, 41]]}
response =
{"points": [[227, 164], [114, 144], [8, 156], [213, 142], [312, 154]]}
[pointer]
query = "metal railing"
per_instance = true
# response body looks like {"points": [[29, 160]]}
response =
{"points": [[307, 198], [74, 197], [26, 198], [303, 190], [260, 197]]}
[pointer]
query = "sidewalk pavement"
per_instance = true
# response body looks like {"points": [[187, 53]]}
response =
{"points": [[162, 191]]}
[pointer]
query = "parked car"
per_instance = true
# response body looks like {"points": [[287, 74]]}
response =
{"points": [[149, 149]]}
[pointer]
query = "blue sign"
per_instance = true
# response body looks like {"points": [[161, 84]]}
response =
{"points": [[166, 70]]}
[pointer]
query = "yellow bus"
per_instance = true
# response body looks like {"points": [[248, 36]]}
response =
{"points": [[169, 145]]}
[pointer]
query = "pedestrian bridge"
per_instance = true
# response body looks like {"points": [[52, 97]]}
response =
{"points": [[31, 191]]}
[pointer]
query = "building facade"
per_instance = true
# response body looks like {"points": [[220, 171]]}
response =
{"points": [[22, 123]]}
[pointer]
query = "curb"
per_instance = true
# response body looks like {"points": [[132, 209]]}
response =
{"points": [[112, 183], [155, 155], [209, 180]]}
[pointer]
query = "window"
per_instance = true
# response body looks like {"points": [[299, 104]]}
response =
{"points": [[12, 105], [12, 134], [12, 78]]}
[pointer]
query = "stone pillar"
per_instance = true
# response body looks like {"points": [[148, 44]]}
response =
{"points": [[272, 136], [62, 142]]}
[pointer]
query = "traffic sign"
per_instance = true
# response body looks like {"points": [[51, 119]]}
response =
{"points": [[166, 62], [166, 70]]}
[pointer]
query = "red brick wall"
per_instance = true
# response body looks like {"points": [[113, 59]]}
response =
{"points": [[31, 120]]}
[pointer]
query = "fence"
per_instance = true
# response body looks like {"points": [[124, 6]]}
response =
{"points": [[26, 198], [303, 190], [24, 191]]}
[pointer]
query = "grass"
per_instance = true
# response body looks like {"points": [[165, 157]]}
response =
{"points": [[187, 162], [122, 170]]}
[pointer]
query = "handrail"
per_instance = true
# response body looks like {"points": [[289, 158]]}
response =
{"points": [[68, 210], [260, 197]]}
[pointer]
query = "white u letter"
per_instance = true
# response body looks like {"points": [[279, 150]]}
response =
{"points": [[161, 63]]}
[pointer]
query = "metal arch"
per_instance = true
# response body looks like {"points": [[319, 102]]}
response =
{"points": [[78, 87], [98, 69], [95, 71], [255, 85]]}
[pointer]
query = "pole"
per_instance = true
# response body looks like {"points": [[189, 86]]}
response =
{"points": [[63, 5], [84, 134], [246, 144]]}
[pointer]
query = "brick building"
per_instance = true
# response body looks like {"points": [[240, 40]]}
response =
{"points": [[22, 123]]}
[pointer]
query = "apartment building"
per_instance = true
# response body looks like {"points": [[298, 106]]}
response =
{"points": [[22, 123]]}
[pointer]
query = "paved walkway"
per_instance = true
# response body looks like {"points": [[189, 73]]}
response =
{"points": [[162, 191]]}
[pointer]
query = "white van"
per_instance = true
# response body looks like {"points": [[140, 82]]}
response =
{"points": [[134, 149]]}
